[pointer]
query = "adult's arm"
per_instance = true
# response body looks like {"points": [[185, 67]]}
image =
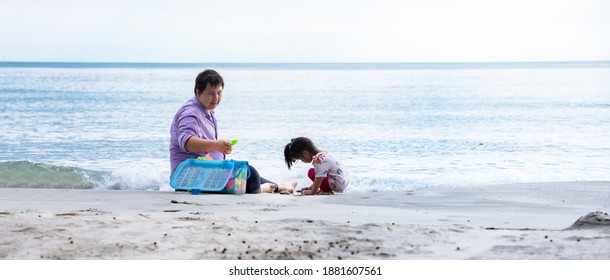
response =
{"points": [[198, 145], [189, 141]]}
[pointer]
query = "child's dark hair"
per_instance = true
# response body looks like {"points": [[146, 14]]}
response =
{"points": [[206, 77], [296, 147]]}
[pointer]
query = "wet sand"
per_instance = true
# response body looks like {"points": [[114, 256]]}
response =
{"points": [[507, 222]]}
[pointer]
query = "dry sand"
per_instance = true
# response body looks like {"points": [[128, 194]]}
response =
{"points": [[520, 221]]}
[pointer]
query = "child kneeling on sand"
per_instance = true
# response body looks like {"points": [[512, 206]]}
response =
{"points": [[328, 174]]}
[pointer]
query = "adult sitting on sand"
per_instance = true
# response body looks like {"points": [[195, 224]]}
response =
{"points": [[194, 132]]}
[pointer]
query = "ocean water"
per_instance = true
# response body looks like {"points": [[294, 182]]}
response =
{"points": [[396, 126]]}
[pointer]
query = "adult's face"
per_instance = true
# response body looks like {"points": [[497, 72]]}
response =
{"points": [[210, 97]]}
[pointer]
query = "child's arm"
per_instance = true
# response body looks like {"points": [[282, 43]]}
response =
{"points": [[307, 188], [315, 187]]}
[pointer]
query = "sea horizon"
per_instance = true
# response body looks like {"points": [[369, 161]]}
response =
{"points": [[313, 65]]}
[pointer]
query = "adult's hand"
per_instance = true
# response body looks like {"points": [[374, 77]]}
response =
{"points": [[224, 146]]}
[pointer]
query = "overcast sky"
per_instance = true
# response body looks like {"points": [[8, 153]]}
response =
{"points": [[304, 30]]}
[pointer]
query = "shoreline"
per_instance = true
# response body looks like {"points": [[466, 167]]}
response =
{"points": [[517, 221]]}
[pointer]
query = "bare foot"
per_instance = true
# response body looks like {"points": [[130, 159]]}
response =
{"points": [[288, 186], [268, 188]]}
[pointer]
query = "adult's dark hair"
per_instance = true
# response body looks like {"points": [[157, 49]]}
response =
{"points": [[206, 77], [296, 147]]}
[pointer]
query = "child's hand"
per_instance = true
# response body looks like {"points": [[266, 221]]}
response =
{"points": [[307, 192]]}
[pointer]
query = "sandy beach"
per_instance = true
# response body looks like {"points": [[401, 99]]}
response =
{"points": [[562, 220]]}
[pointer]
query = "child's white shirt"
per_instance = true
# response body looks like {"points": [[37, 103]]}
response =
{"points": [[325, 164]]}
